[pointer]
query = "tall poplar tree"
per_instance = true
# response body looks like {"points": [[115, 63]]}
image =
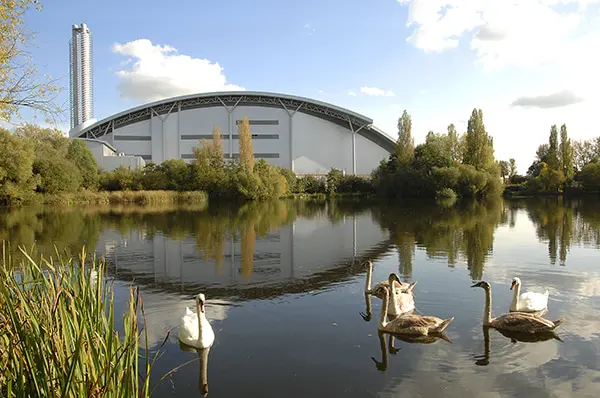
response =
{"points": [[453, 144], [479, 151], [246, 155], [405, 146], [566, 153], [552, 157]]}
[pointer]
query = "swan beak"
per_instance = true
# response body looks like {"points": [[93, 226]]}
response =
{"points": [[202, 306], [512, 285], [475, 285]]}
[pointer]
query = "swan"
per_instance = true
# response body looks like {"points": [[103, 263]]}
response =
{"points": [[403, 287], [529, 301], [401, 302], [514, 321], [415, 325], [194, 333]]}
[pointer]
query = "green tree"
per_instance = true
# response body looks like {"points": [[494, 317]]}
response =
{"points": [[20, 84], [16, 161], [57, 174], [246, 155], [566, 154], [453, 144], [435, 152], [504, 169], [512, 168], [552, 156], [479, 151], [81, 156], [405, 145], [584, 152], [176, 173]]}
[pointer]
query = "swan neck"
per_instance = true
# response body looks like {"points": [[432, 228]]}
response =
{"points": [[368, 280], [487, 311], [394, 295], [200, 319], [384, 308], [515, 300]]}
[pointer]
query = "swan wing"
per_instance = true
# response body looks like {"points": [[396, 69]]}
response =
{"points": [[533, 301], [519, 321], [405, 301], [406, 321]]}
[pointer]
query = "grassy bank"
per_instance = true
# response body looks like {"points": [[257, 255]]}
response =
{"points": [[57, 332], [123, 198]]}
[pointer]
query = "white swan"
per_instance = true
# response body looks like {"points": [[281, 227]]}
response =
{"points": [[194, 333], [529, 301], [400, 302]]}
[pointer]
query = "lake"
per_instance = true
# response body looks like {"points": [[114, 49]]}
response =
{"points": [[284, 283]]}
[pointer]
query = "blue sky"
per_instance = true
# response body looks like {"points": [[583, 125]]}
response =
{"points": [[436, 58]]}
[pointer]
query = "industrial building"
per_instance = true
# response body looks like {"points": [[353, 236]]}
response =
{"points": [[302, 134]]}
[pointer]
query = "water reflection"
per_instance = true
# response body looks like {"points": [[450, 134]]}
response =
{"points": [[285, 281]]}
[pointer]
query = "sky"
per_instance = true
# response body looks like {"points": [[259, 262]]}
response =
{"points": [[527, 64]]}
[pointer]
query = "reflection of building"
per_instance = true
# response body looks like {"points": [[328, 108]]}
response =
{"points": [[305, 249]]}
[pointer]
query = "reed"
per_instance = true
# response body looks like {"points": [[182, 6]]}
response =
{"points": [[122, 197], [58, 333]]}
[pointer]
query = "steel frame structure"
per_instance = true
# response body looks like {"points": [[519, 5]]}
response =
{"points": [[355, 122]]}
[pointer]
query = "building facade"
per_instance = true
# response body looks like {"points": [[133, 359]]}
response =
{"points": [[304, 135]]}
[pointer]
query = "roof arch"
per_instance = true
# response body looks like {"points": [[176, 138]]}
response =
{"points": [[332, 113]]}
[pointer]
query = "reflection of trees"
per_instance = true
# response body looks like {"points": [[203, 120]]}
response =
{"points": [[210, 227], [465, 230], [562, 222]]}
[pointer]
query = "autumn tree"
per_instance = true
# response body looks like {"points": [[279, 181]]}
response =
{"points": [[405, 145], [566, 153], [552, 156], [479, 151], [20, 84], [217, 153], [245, 140]]}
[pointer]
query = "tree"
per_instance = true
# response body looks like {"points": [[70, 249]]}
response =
{"points": [[16, 161], [433, 153], [566, 153], [217, 153], [584, 152], [20, 85], [453, 144], [504, 169], [246, 155], [81, 156], [552, 156], [479, 151], [512, 167], [405, 145]]}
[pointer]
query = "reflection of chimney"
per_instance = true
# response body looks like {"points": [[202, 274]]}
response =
{"points": [[81, 71]]}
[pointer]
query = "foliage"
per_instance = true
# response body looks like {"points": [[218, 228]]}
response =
{"points": [[566, 154], [405, 144], [58, 332], [436, 169], [246, 155], [333, 180], [83, 159], [17, 182], [20, 84], [479, 151], [552, 155], [590, 177]]}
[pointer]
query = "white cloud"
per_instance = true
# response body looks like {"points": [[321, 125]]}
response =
{"points": [[309, 29], [351, 93], [374, 91], [156, 72], [556, 37]]}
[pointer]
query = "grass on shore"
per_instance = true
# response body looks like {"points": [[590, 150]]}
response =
{"points": [[58, 336], [123, 197]]}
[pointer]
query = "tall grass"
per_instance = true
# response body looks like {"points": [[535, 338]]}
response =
{"points": [[58, 335], [123, 197]]}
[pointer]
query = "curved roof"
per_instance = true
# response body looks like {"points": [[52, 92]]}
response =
{"points": [[323, 110]]}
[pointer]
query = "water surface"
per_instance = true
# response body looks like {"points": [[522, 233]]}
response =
{"points": [[285, 280]]}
